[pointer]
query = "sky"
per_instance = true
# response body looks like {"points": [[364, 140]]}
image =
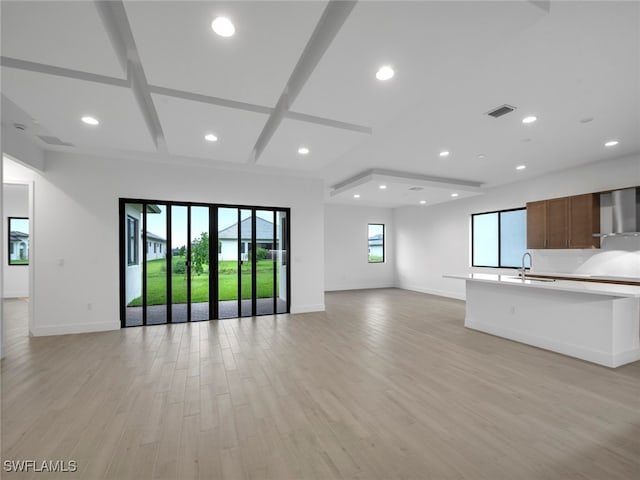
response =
{"points": [[19, 225], [156, 222]]}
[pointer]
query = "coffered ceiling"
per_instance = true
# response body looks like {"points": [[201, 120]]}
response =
{"points": [[303, 74]]}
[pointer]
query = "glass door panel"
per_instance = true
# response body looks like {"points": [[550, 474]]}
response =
{"points": [[155, 245], [265, 262], [200, 263], [281, 263], [228, 262], [132, 264], [246, 262], [175, 266], [179, 268]]}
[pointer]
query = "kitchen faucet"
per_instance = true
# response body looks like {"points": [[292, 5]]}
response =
{"points": [[522, 269]]}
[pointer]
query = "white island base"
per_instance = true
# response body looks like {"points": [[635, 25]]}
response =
{"points": [[596, 327]]}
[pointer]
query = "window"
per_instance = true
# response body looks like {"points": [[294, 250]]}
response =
{"points": [[18, 241], [132, 241], [499, 239], [376, 243]]}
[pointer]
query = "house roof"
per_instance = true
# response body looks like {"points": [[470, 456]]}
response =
{"points": [[153, 236], [375, 239], [15, 236], [264, 230]]}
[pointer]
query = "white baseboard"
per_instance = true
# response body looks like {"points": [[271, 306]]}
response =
{"points": [[74, 328], [307, 308], [607, 359], [15, 294], [360, 286], [439, 293]]}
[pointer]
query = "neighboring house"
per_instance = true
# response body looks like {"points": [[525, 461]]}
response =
{"points": [[18, 245], [156, 247], [228, 247], [376, 245], [133, 252]]}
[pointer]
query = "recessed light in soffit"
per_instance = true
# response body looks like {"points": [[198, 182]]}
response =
{"points": [[210, 137], [303, 151], [89, 120], [223, 27], [385, 73]]}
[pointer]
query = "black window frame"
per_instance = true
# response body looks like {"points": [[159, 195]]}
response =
{"points": [[21, 263], [499, 212], [383, 243]]}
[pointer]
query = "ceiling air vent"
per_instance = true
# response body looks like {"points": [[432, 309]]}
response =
{"points": [[54, 141], [416, 189], [500, 111]]}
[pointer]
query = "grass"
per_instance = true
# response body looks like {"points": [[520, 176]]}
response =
{"points": [[227, 282], [375, 259], [18, 262]]}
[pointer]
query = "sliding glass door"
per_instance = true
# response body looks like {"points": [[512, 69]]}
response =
{"points": [[184, 262]]}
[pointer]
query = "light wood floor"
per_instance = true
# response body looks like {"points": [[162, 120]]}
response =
{"points": [[385, 384]]}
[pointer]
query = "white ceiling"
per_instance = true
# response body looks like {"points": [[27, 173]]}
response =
{"points": [[303, 74]]}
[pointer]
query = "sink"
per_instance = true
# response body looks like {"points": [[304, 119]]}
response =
{"points": [[534, 279]]}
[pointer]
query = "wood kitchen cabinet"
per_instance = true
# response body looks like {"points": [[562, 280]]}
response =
{"points": [[584, 221], [537, 224], [567, 222]]}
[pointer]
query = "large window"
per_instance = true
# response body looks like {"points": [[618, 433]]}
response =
{"points": [[376, 242], [499, 239]]}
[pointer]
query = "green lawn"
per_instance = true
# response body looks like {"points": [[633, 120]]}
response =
{"points": [[18, 262], [227, 288]]}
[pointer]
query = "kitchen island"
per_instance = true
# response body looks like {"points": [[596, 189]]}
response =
{"points": [[597, 322]]}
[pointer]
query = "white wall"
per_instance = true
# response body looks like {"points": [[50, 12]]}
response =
{"points": [[434, 240], [346, 248], [15, 203], [75, 290]]}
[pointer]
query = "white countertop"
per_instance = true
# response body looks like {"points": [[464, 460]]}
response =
{"points": [[610, 289], [586, 275]]}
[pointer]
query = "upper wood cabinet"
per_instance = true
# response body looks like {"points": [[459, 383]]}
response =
{"points": [[584, 221], [567, 222], [537, 224]]}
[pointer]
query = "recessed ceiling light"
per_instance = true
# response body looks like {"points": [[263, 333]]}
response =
{"points": [[385, 73], [356, 196], [454, 194], [481, 156], [303, 151], [223, 27], [611, 143], [90, 120], [529, 119], [521, 167], [210, 137], [382, 187], [422, 202], [444, 153]]}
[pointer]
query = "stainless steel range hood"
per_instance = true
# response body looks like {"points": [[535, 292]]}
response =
{"points": [[624, 216]]}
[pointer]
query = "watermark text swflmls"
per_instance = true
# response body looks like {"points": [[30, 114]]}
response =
{"points": [[39, 466]]}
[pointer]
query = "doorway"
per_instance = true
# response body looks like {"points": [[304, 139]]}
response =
{"points": [[185, 262]]}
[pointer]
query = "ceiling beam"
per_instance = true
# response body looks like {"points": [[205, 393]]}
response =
{"points": [[115, 21], [330, 23], [62, 72]]}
